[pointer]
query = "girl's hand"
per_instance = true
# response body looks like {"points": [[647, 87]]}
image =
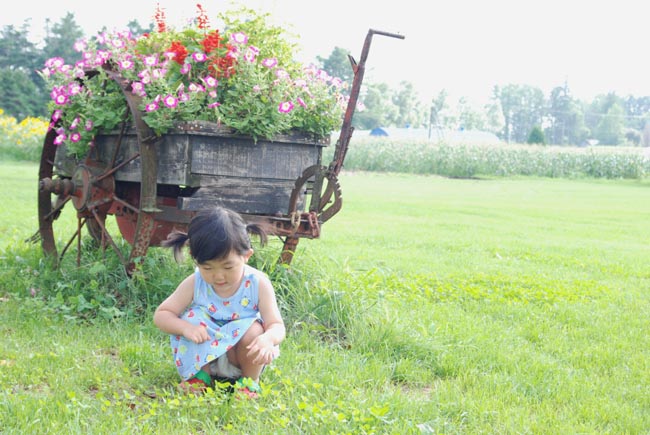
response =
{"points": [[196, 333], [262, 350]]}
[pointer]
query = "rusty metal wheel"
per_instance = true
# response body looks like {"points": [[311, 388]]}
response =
{"points": [[91, 189]]}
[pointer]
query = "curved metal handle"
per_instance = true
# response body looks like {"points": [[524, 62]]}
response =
{"points": [[346, 128]]}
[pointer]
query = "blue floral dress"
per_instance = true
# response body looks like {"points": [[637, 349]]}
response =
{"points": [[226, 320]]}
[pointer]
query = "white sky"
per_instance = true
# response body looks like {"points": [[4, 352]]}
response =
{"points": [[463, 46]]}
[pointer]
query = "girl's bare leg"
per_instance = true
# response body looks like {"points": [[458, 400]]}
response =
{"points": [[237, 355]]}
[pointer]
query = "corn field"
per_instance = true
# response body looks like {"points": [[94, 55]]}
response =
{"points": [[466, 160]]}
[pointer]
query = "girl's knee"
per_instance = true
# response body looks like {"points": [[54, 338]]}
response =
{"points": [[255, 330]]}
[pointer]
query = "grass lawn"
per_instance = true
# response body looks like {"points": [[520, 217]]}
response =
{"points": [[428, 306]]}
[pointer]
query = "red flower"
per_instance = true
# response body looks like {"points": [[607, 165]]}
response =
{"points": [[180, 52], [211, 41], [159, 17], [222, 67], [202, 18]]}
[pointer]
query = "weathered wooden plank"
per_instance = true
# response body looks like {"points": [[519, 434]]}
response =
{"points": [[244, 195], [238, 158], [233, 170], [171, 150]]}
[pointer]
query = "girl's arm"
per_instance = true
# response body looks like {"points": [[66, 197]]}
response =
{"points": [[270, 312], [274, 330], [167, 315]]}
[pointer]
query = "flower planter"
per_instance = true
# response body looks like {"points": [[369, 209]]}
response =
{"points": [[207, 164]]}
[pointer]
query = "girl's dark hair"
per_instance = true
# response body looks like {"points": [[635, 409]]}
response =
{"points": [[213, 234]]}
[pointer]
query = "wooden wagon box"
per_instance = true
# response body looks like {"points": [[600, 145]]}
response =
{"points": [[211, 165]]}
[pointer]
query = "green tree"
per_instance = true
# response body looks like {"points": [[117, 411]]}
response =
{"points": [[637, 111], [19, 95], [16, 51], [611, 128], [410, 112], [21, 89], [523, 107], [379, 111], [536, 136], [494, 120], [468, 117], [566, 118], [598, 108]]}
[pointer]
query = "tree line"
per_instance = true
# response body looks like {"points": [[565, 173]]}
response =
{"points": [[516, 113]]}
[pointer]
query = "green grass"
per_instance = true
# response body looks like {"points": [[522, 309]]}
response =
{"points": [[429, 305]]}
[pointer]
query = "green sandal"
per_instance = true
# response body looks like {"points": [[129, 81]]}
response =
{"points": [[248, 388], [197, 384]]}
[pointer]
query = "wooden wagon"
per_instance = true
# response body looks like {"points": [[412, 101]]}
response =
{"points": [[154, 184]]}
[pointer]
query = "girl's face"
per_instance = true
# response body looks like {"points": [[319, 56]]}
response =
{"points": [[225, 274]]}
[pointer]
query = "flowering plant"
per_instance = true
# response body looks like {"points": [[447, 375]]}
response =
{"points": [[243, 77]]}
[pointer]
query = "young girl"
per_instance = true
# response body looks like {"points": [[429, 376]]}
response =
{"points": [[223, 319]]}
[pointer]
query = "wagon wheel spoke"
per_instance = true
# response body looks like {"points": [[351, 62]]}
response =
{"points": [[89, 191], [106, 236], [72, 239]]}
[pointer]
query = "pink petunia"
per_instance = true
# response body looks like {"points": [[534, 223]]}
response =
{"points": [[199, 56], [60, 138], [193, 87], [103, 54], [239, 38], [74, 88], [270, 62], [145, 77], [281, 74], [158, 73], [137, 88], [75, 137], [75, 123], [151, 107], [117, 43], [285, 107], [210, 81], [151, 60], [55, 62], [249, 56], [126, 64], [170, 101], [323, 75], [186, 68], [80, 45], [61, 100]]}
